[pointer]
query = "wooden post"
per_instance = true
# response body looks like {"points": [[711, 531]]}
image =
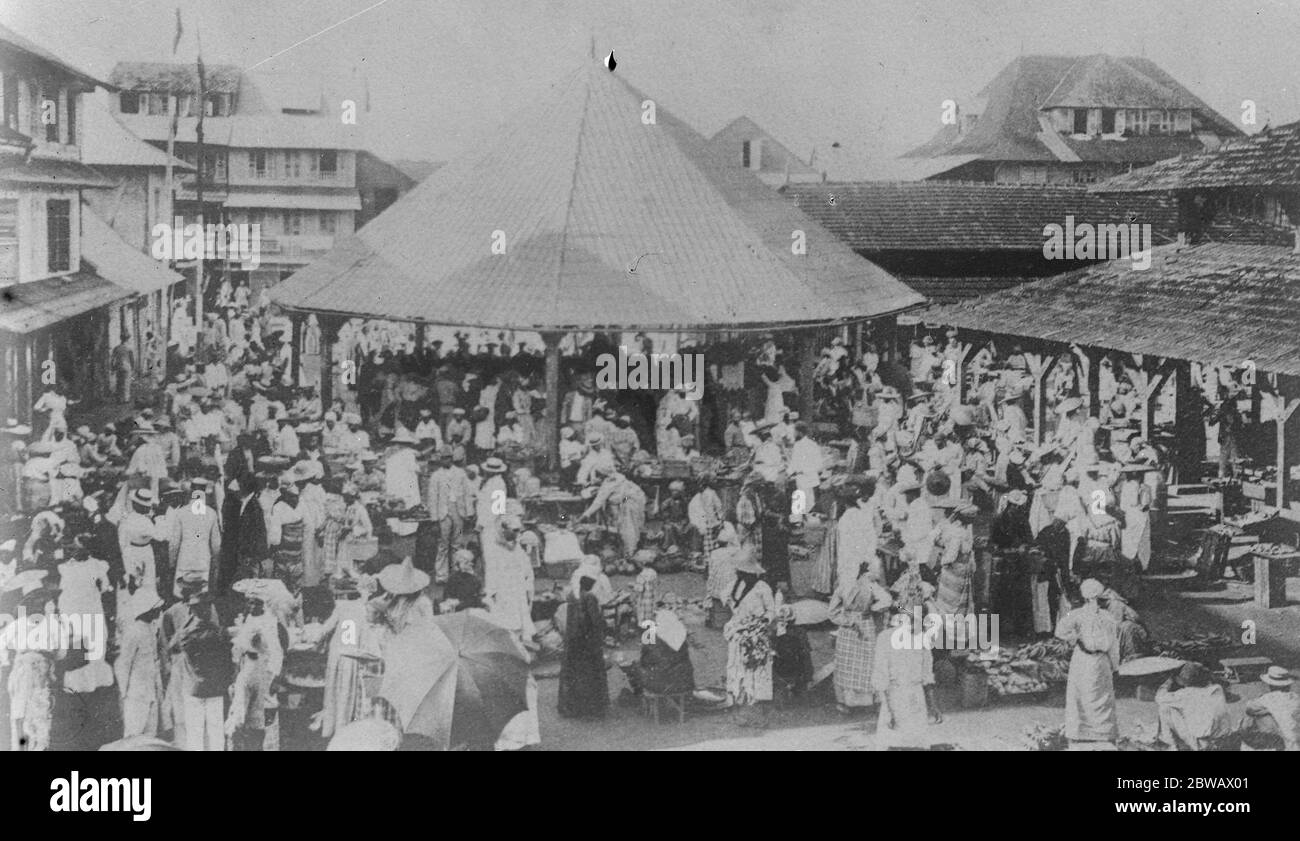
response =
{"points": [[419, 345], [551, 415], [960, 373], [329, 335], [1040, 399], [1189, 426], [295, 351], [1151, 385], [1283, 418]]}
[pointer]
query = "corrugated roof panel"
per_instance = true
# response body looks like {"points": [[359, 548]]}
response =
{"points": [[25, 307]]}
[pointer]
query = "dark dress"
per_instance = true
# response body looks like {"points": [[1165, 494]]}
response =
{"points": [[584, 691]]}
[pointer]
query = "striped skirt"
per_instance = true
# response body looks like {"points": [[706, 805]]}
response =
{"points": [[855, 656]]}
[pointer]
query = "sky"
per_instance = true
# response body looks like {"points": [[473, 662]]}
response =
{"points": [[869, 74]]}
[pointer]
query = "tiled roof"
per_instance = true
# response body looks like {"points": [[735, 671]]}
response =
{"points": [[1268, 159], [12, 41], [947, 215], [116, 261], [1215, 303], [1008, 129], [25, 307], [106, 142], [607, 222], [175, 77]]}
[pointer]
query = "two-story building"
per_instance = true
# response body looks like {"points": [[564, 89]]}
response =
{"points": [[276, 155], [54, 306], [1049, 119]]}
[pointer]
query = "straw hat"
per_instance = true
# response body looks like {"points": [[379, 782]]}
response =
{"points": [[404, 436], [889, 393], [1277, 676], [403, 579], [143, 497], [1068, 405], [746, 563], [494, 465], [764, 426]]}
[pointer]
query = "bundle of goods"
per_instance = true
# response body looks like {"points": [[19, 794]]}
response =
{"points": [[1193, 646], [1274, 550], [1044, 737], [1025, 669], [396, 508], [682, 607], [1251, 518]]}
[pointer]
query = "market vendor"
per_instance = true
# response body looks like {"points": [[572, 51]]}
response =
{"points": [[1090, 720], [624, 504], [806, 465], [1192, 710], [598, 456], [1277, 711], [769, 462], [664, 667], [402, 470]]}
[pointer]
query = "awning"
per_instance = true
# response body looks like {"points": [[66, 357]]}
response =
{"points": [[50, 171], [296, 201], [116, 261], [26, 307], [1216, 303]]}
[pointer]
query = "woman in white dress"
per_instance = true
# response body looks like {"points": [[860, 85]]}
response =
{"points": [[1135, 499], [774, 409]]}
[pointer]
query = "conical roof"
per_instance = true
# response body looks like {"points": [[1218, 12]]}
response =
{"points": [[608, 220]]}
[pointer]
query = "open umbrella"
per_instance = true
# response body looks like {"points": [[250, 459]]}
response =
{"points": [[491, 678]]}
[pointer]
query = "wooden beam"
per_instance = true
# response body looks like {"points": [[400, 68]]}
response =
{"points": [[329, 335], [960, 373], [1153, 383], [295, 351]]}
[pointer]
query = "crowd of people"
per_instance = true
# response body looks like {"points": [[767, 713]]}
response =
{"points": [[218, 525]]}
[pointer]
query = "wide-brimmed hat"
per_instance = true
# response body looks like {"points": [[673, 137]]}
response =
{"points": [[1068, 405], [889, 393], [404, 436], [1017, 497], [747, 563], [494, 465], [143, 496], [403, 579], [1277, 676], [764, 426], [1137, 467]]}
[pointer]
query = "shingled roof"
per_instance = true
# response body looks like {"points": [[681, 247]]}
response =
{"points": [[1268, 159], [947, 215], [1009, 127], [1215, 303], [607, 221], [174, 77]]}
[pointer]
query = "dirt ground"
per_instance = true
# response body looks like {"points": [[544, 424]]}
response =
{"points": [[1169, 606]]}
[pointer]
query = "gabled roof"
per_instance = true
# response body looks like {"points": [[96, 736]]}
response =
{"points": [[113, 259], [106, 142], [1215, 303], [743, 128], [1268, 159], [1009, 128], [607, 222], [175, 77], [949, 215], [12, 42]]}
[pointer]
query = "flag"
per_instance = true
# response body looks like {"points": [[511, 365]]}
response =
{"points": [[176, 42]]}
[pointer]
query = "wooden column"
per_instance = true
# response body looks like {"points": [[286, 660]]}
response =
{"points": [[960, 373], [1287, 409], [295, 351], [1041, 373], [24, 391], [1189, 426], [329, 335], [551, 415], [807, 344], [419, 345]]}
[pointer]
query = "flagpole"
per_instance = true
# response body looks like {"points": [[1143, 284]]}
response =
{"points": [[198, 133]]}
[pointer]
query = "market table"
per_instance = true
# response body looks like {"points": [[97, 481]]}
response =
{"points": [[1270, 576]]}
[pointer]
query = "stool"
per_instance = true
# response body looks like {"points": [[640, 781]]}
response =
{"points": [[652, 701]]}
